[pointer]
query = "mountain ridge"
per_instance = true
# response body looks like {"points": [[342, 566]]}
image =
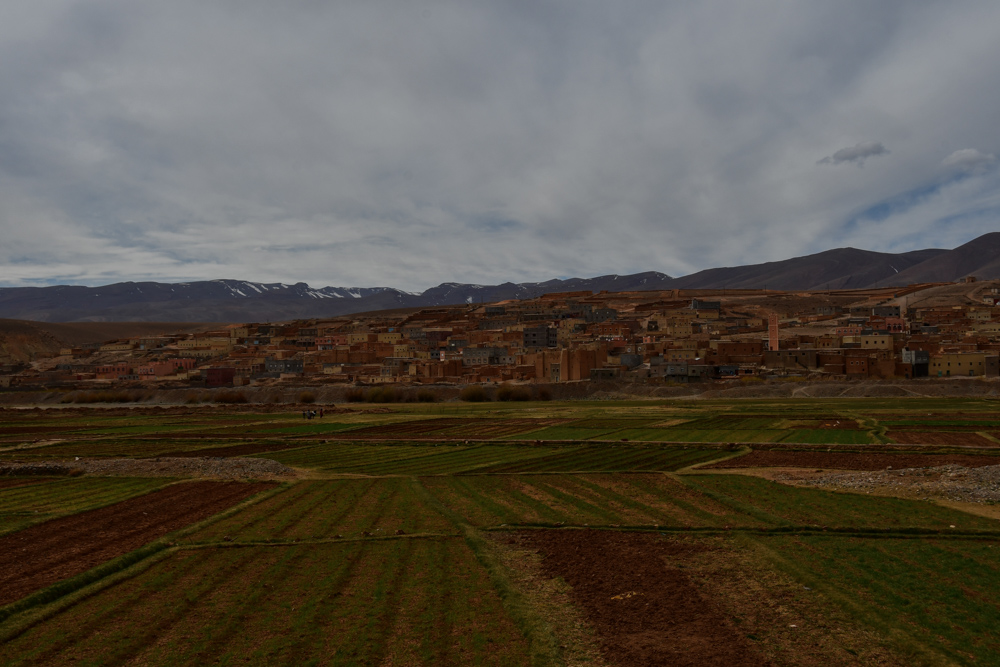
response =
{"points": [[226, 300]]}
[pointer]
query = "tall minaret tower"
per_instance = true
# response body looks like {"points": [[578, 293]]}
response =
{"points": [[772, 332]]}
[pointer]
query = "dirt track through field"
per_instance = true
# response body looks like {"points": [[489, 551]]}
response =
{"points": [[44, 554], [645, 608], [852, 460]]}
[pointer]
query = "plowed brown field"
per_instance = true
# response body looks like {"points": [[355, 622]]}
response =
{"points": [[643, 605], [44, 554], [950, 438]]}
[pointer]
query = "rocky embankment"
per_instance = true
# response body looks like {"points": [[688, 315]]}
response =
{"points": [[951, 482]]}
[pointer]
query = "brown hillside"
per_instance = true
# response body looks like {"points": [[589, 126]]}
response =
{"points": [[22, 341], [81, 333]]}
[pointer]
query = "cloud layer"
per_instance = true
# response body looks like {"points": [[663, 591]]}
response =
{"points": [[409, 144], [856, 154]]}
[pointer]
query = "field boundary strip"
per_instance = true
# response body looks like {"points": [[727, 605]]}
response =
{"points": [[543, 646], [743, 451], [779, 531], [318, 540]]}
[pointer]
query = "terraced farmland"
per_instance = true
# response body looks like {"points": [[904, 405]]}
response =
{"points": [[579, 500], [534, 534], [428, 459], [411, 601]]}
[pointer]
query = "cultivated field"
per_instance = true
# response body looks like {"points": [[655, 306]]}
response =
{"points": [[612, 533]]}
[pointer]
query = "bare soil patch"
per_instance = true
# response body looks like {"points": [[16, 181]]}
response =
{"points": [[549, 597], [46, 553], [635, 592], [790, 623], [851, 460]]}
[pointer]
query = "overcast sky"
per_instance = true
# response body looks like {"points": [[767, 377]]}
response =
{"points": [[411, 143]]}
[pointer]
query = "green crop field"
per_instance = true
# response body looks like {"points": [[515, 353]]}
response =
{"points": [[605, 458], [413, 535], [781, 505], [593, 500], [129, 447], [414, 601], [934, 596], [319, 509], [429, 459]]}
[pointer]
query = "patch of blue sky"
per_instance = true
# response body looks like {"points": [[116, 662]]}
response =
{"points": [[931, 193]]}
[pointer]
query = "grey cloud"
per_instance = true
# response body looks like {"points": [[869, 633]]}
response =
{"points": [[968, 159], [407, 144], [856, 154]]}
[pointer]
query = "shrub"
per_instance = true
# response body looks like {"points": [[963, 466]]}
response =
{"points": [[231, 397], [107, 396], [543, 394], [384, 395], [307, 397], [509, 393], [355, 396], [192, 398], [426, 396], [474, 394]]}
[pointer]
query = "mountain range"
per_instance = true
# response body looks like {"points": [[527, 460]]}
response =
{"points": [[243, 301]]}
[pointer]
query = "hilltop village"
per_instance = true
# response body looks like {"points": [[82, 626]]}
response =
{"points": [[673, 336]]}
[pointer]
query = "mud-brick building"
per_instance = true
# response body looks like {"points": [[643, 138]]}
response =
{"points": [[958, 364], [856, 365], [739, 352], [791, 359], [219, 377], [568, 365], [538, 337]]}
